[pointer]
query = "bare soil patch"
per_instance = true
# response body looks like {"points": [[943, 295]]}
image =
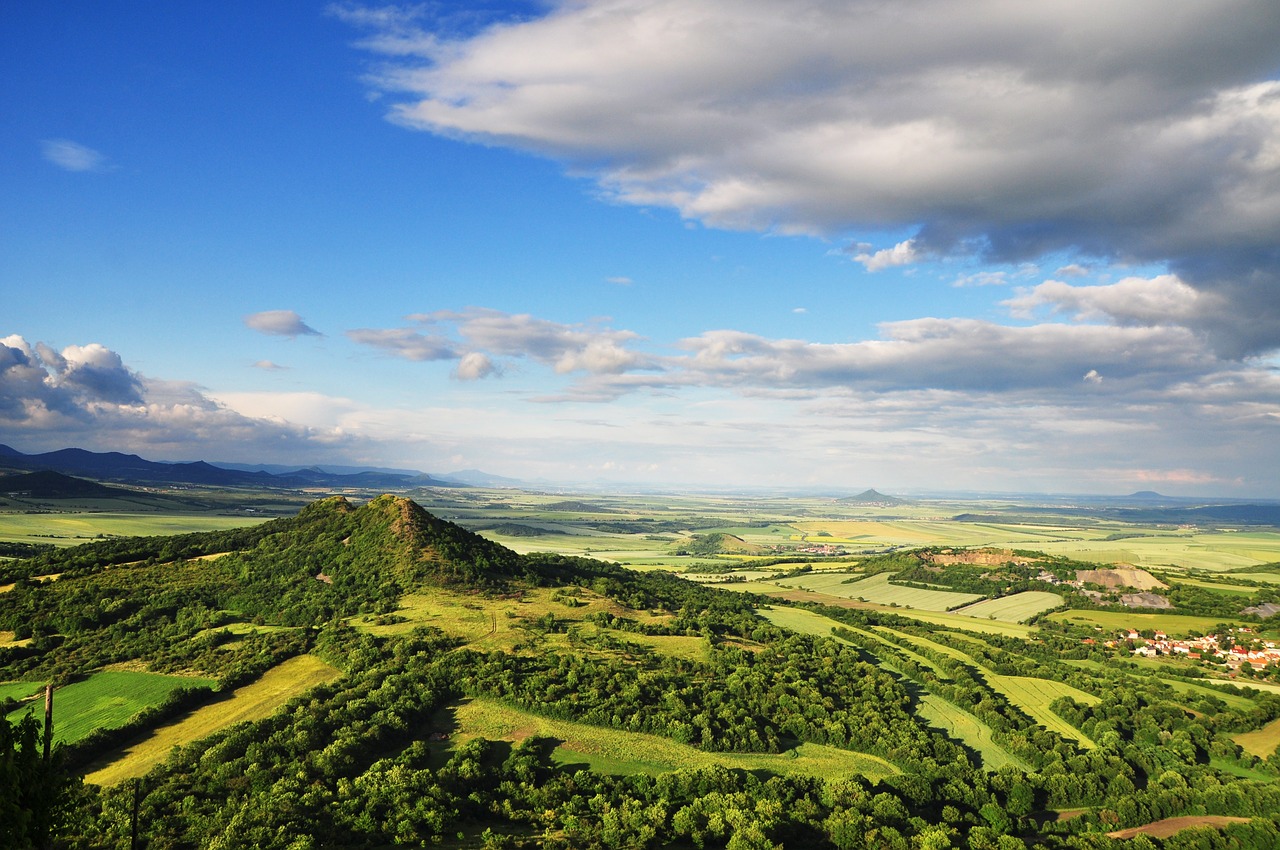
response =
{"points": [[1121, 577], [1168, 826]]}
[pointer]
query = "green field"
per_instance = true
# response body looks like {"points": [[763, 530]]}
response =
{"points": [[106, 700], [1217, 587], [20, 690], [1233, 701], [809, 623], [1033, 696], [251, 702], [1176, 625], [1017, 608], [964, 727], [925, 643], [935, 618], [70, 529], [877, 589], [618, 752]]}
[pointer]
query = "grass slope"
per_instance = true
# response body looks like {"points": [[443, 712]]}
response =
{"points": [[964, 727], [106, 700], [252, 702], [618, 752], [1261, 742], [1033, 696]]}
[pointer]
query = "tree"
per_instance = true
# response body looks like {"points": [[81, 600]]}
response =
{"points": [[33, 790]]}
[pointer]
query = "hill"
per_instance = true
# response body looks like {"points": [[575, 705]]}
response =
{"points": [[873, 498], [719, 543], [55, 485]]}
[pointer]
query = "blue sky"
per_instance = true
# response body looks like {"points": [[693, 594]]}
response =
{"points": [[922, 245]]}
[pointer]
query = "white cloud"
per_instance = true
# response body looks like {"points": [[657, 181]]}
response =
{"points": [[902, 254], [280, 323], [405, 343], [474, 365], [1161, 300], [566, 348], [1016, 131], [620, 280], [72, 156], [86, 396]]}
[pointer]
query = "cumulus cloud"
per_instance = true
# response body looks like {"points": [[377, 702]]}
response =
{"points": [[85, 395], [902, 254], [1016, 131], [474, 365], [280, 323], [1161, 300], [72, 156]]}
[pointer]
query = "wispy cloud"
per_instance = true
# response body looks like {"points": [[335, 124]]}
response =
{"points": [[72, 156], [280, 323]]}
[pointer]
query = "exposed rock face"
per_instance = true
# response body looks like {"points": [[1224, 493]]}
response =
{"points": [[1266, 609], [981, 557], [1121, 577], [1145, 600]]}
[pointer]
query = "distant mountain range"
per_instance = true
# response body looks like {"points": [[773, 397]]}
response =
{"points": [[127, 468]]}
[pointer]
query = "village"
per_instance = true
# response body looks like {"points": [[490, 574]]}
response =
{"points": [[1236, 648]]}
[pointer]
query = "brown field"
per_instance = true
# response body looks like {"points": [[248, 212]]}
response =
{"points": [[1168, 826]]}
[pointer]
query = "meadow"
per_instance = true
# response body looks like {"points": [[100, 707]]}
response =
{"points": [[619, 752], [1261, 742], [963, 726], [105, 700], [70, 529], [253, 701], [1175, 625], [1016, 608], [877, 589], [1033, 696]]}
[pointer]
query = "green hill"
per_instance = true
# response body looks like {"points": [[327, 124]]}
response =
{"points": [[54, 485]]}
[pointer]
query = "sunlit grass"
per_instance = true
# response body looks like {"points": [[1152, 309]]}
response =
{"points": [[254, 701], [619, 752]]}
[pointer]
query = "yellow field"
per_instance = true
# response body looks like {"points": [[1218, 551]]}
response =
{"points": [[1177, 625], [613, 751], [948, 620], [877, 589], [1016, 608], [1261, 742], [252, 702]]}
